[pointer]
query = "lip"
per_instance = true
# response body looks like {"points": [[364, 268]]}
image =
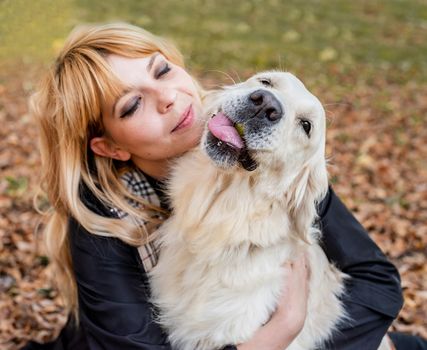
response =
{"points": [[186, 119]]}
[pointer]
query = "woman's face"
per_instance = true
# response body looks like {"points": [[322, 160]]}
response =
{"points": [[156, 118]]}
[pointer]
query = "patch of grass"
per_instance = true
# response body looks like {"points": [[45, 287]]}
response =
{"points": [[320, 40]]}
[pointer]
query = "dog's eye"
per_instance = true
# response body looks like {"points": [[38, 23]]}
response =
{"points": [[266, 82], [306, 125]]}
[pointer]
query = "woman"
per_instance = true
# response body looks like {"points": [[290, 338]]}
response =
{"points": [[116, 107]]}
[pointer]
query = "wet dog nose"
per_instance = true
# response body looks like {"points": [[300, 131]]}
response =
{"points": [[265, 105]]}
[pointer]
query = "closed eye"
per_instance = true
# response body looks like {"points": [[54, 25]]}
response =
{"points": [[266, 82], [163, 70], [130, 111]]}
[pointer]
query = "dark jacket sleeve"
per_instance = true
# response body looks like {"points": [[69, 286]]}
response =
{"points": [[373, 293], [113, 294]]}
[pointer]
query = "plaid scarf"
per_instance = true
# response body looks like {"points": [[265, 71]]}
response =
{"points": [[137, 184]]}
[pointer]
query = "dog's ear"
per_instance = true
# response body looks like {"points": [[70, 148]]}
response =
{"points": [[318, 181], [309, 188]]}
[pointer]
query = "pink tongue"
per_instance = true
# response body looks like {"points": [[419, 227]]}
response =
{"points": [[222, 128]]}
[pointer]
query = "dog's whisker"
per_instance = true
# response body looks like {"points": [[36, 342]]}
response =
{"points": [[280, 62], [224, 73], [237, 74]]}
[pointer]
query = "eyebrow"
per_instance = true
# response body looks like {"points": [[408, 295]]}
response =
{"points": [[123, 93], [150, 64], [126, 91]]}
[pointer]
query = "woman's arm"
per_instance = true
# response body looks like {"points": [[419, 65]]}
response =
{"points": [[373, 294], [113, 294]]}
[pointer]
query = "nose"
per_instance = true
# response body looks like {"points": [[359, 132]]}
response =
{"points": [[265, 105], [166, 99]]}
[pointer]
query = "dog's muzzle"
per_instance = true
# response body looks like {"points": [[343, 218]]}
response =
{"points": [[242, 124]]}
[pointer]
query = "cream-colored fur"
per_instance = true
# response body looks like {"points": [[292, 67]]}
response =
{"points": [[220, 274]]}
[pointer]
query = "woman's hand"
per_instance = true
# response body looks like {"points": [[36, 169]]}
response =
{"points": [[288, 319]]}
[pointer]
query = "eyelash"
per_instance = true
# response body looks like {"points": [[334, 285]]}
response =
{"points": [[166, 68], [133, 109]]}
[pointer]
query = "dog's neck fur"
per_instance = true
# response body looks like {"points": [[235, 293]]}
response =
{"points": [[198, 226]]}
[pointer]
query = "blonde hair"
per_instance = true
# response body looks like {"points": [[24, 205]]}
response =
{"points": [[67, 108]]}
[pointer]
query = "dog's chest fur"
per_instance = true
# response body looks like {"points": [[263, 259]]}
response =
{"points": [[219, 274]]}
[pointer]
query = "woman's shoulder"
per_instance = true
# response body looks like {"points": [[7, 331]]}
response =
{"points": [[83, 242], [97, 247], [88, 246]]}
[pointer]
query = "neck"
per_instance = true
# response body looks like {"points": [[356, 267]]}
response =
{"points": [[157, 169]]}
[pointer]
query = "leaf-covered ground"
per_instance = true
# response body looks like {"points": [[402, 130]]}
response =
{"points": [[365, 61], [376, 145]]}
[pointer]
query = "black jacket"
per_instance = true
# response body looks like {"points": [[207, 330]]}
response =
{"points": [[113, 287]]}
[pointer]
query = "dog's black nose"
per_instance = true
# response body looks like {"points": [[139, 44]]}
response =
{"points": [[265, 105]]}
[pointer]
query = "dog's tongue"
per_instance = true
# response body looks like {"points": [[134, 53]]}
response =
{"points": [[222, 128]]}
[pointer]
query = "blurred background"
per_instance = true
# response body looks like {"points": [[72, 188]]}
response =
{"points": [[366, 60]]}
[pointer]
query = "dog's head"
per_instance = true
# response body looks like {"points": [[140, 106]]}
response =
{"points": [[270, 121]]}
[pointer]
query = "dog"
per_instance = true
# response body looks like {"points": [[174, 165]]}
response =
{"points": [[244, 202]]}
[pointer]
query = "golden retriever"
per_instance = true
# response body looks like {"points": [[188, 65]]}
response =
{"points": [[244, 203]]}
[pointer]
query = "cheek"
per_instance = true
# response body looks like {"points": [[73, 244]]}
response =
{"points": [[184, 80], [134, 133]]}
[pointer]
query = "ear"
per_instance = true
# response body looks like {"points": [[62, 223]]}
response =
{"points": [[318, 180], [309, 190], [104, 147]]}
